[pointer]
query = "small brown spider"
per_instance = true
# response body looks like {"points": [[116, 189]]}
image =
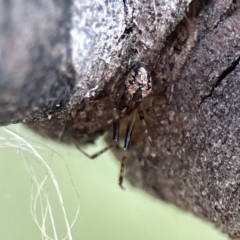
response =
{"points": [[138, 86]]}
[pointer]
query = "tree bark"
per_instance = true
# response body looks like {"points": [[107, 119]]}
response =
{"points": [[62, 80]]}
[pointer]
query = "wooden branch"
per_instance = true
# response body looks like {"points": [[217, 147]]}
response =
{"points": [[62, 79]]}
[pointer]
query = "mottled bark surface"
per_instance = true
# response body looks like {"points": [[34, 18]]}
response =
{"points": [[63, 80]]}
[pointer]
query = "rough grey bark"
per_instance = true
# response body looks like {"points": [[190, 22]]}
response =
{"points": [[35, 69], [61, 80]]}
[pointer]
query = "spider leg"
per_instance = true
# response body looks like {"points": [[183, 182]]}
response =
{"points": [[116, 118], [171, 93], [126, 148], [143, 122], [111, 145], [113, 120]]}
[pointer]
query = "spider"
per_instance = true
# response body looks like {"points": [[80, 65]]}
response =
{"points": [[137, 86]]}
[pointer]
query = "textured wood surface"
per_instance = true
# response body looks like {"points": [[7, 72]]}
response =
{"points": [[62, 79]]}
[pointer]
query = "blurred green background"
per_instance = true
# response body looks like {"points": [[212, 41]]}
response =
{"points": [[105, 211]]}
